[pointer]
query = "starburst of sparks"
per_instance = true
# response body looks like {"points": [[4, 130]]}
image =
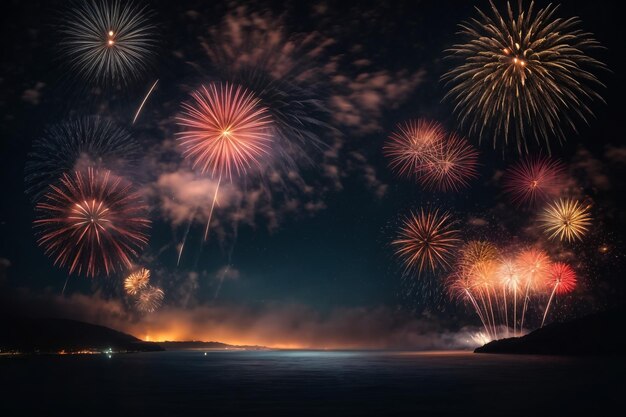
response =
{"points": [[450, 165], [522, 74], [108, 41], [149, 299], [426, 240], [534, 180], [76, 144], [566, 219], [533, 265], [92, 222], [409, 147], [562, 278], [226, 130], [137, 281]]}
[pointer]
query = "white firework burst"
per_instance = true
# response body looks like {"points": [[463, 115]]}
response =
{"points": [[108, 41]]}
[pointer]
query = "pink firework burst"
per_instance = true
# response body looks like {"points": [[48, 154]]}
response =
{"points": [[226, 130], [450, 165], [410, 145], [93, 222], [533, 180]]}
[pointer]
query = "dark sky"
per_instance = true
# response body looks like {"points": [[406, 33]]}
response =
{"points": [[333, 251]]}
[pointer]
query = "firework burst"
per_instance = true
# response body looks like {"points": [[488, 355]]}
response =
{"points": [[137, 281], [475, 252], [534, 180], [562, 280], [521, 74], [426, 240], [150, 299], [450, 165], [409, 147], [566, 219], [108, 41], [226, 131], [74, 145], [92, 222]]}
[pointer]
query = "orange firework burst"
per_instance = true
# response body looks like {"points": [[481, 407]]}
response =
{"points": [[426, 240], [484, 274], [477, 251], [137, 281], [409, 147], [534, 179], [566, 219], [92, 222], [450, 164], [226, 131], [533, 266]]}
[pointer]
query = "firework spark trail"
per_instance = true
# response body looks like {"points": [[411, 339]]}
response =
{"points": [[144, 101], [534, 265], [227, 132], [520, 75], [92, 222], [184, 240], [208, 223], [563, 279]]}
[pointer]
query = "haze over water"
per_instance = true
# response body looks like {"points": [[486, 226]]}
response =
{"points": [[297, 383]]}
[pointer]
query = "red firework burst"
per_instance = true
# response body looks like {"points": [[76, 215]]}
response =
{"points": [[534, 180], [426, 240], [450, 165], [409, 147], [561, 278], [92, 222], [226, 130]]}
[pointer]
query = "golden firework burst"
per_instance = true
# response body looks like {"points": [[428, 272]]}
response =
{"points": [[566, 219], [137, 281]]}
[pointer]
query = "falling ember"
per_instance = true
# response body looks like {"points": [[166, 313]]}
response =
{"points": [[534, 180], [566, 219], [92, 222], [137, 281], [426, 240], [226, 131]]}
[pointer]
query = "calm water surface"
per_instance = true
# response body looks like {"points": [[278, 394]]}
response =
{"points": [[306, 383]]}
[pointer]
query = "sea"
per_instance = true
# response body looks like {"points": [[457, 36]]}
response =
{"points": [[311, 383]]}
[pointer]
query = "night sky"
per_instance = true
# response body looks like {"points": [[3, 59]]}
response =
{"points": [[313, 265]]}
